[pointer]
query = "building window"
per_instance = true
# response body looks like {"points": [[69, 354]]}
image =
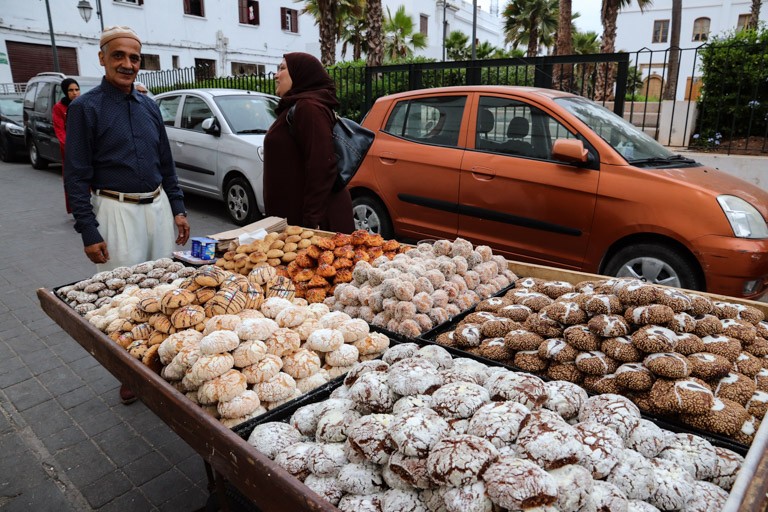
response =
{"points": [[150, 62], [743, 22], [175, 61], [423, 23], [660, 31], [134, 2], [700, 29], [246, 68], [194, 7], [249, 11], [289, 20], [205, 68]]}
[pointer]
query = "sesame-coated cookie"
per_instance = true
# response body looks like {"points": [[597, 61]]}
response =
{"points": [[555, 289], [736, 387], [750, 313], [655, 314], [565, 371], [602, 384], [739, 329], [686, 396], [523, 339], [761, 380], [653, 338], [682, 322], [724, 417], [638, 294], [670, 365], [746, 433], [467, 335], [494, 349], [567, 313], [595, 363], [725, 309], [491, 304], [722, 345], [748, 364], [758, 348], [516, 312], [634, 376], [707, 325], [757, 405], [708, 366], [603, 304], [498, 327], [700, 305], [529, 361], [621, 349], [608, 326], [533, 300], [580, 337], [678, 300], [688, 343], [543, 325], [556, 349]]}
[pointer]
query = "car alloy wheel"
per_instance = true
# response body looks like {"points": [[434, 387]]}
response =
{"points": [[655, 264], [35, 159], [370, 214], [241, 201]]}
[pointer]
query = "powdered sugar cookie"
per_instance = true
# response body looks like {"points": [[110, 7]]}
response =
{"points": [[565, 398], [459, 459], [546, 439], [515, 483], [416, 430]]}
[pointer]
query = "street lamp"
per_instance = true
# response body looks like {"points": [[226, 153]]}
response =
{"points": [[84, 6], [445, 23], [53, 38]]}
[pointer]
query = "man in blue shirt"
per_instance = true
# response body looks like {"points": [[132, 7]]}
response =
{"points": [[119, 172]]}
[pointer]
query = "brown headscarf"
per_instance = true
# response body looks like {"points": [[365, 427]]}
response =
{"points": [[310, 80]]}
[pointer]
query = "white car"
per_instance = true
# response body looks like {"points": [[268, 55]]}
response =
{"points": [[217, 141]]}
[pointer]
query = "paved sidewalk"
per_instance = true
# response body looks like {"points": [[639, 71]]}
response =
{"points": [[66, 441]]}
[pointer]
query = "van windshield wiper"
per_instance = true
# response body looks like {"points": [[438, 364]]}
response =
{"points": [[670, 160], [253, 130]]}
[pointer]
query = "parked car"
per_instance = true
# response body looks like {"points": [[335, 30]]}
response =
{"points": [[11, 127], [217, 139], [550, 178], [42, 93]]}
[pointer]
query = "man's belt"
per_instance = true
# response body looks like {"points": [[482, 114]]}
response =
{"points": [[145, 198]]}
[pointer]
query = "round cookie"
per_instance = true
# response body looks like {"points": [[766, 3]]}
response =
{"points": [[546, 439], [621, 349], [757, 405], [495, 349], [608, 326], [581, 338], [603, 304], [647, 438], [633, 475], [707, 325], [357, 370], [467, 335], [554, 289], [736, 387], [273, 437], [416, 430], [651, 314], [670, 365], [522, 339], [565, 398], [498, 422], [706, 496], [615, 411], [674, 485], [708, 366], [372, 392], [399, 351], [523, 388], [746, 434], [543, 325], [326, 459], [361, 479], [368, 436], [565, 371], [608, 497], [686, 396], [638, 293], [601, 446], [516, 312], [748, 365], [497, 327], [700, 305], [414, 376], [726, 468], [724, 417], [468, 497], [534, 300], [722, 345], [556, 349], [695, 454], [653, 338], [492, 304], [459, 399], [567, 313], [602, 384], [688, 343], [682, 323], [530, 361], [460, 460], [293, 459], [515, 484], [634, 376], [761, 380], [574, 484], [436, 355], [595, 363], [676, 299], [739, 329]]}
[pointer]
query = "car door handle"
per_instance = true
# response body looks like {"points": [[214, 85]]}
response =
{"points": [[483, 173], [387, 158]]}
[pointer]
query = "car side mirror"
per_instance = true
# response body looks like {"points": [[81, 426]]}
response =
{"points": [[571, 151], [211, 127]]}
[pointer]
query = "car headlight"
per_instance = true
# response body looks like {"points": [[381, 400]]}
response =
{"points": [[745, 220], [260, 152], [15, 129]]}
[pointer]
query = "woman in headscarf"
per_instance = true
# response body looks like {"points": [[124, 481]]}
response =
{"points": [[71, 90], [299, 160]]}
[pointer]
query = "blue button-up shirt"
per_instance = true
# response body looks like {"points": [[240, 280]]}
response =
{"points": [[115, 141]]}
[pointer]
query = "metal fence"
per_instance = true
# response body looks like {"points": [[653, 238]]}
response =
{"points": [[718, 94]]}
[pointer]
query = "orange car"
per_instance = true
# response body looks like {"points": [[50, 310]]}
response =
{"points": [[550, 178]]}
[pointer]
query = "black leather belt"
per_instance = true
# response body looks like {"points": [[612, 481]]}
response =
{"points": [[130, 198]]}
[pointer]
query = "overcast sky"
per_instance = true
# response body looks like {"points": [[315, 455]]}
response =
{"points": [[589, 10]]}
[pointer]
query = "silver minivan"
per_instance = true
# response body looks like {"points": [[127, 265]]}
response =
{"points": [[217, 141]]}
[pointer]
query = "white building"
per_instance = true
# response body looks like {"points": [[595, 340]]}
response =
{"points": [[648, 33], [228, 36]]}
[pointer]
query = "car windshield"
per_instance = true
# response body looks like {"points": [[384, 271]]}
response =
{"points": [[633, 144], [248, 113], [11, 106]]}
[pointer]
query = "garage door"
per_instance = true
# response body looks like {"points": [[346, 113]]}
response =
{"points": [[27, 60]]}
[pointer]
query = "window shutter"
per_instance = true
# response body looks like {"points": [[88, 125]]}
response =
{"points": [[242, 10], [202, 8], [283, 22], [187, 8], [294, 20], [255, 6]]}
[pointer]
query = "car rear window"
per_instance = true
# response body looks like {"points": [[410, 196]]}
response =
{"points": [[434, 120]]}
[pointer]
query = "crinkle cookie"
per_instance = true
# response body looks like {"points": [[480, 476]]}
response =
{"points": [[460, 460], [361, 479], [565, 398], [608, 326], [524, 388], [574, 486], [614, 411], [468, 497], [414, 376], [674, 485], [498, 422], [273, 437], [515, 484], [293, 459], [546, 439], [726, 468], [646, 438], [706, 497], [327, 487], [326, 459], [695, 454], [411, 470], [369, 437], [608, 497], [372, 392], [357, 370], [437, 355], [459, 399], [416, 430], [360, 503], [400, 351], [601, 447]]}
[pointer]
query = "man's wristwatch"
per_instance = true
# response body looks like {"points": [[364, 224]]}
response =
{"points": [[182, 214]]}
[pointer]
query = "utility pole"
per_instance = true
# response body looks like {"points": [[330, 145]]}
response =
{"points": [[474, 29], [53, 39]]}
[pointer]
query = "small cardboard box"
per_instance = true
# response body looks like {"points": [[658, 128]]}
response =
{"points": [[250, 232]]}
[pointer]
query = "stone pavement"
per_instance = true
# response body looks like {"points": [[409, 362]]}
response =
{"points": [[66, 441]]}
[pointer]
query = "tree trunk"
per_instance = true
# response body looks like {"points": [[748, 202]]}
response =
{"points": [[754, 14], [670, 88], [564, 46], [533, 38], [605, 72], [327, 27], [375, 41]]}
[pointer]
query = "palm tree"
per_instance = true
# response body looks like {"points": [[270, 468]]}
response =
{"points": [[584, 43], [484, 50], [754, 15], [674, 52], [331, 17], [564, 46], [354, 34], [400, 38], [375, 38], [608, 15], [530, 22], [457, 45]]}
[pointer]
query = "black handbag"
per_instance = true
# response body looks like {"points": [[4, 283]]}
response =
{"points": [[351, 143]]}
